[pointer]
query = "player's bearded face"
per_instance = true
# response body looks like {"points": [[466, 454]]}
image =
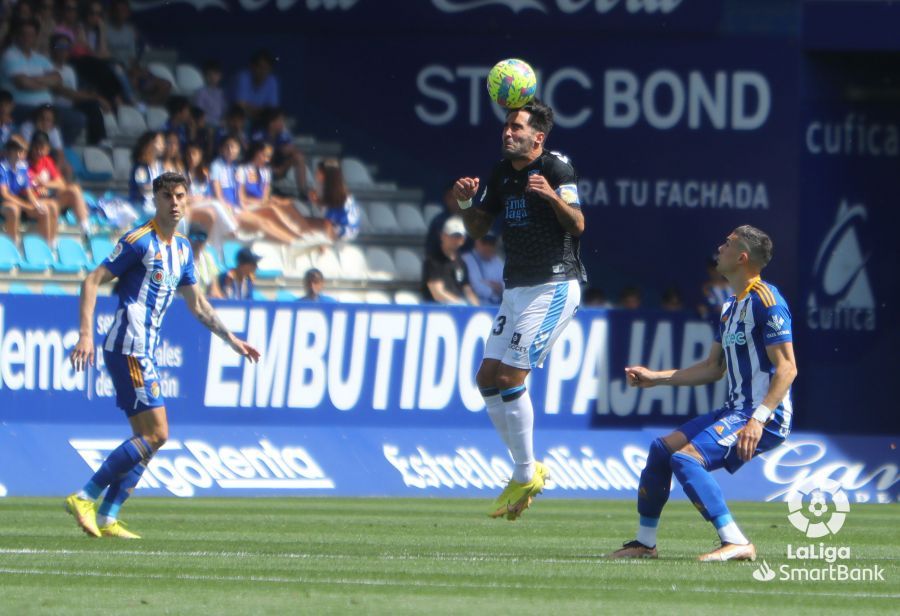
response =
{"points": [[518, 139]]}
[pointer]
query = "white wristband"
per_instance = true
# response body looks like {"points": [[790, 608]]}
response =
{"points": [[464, 205], [762, 413]]}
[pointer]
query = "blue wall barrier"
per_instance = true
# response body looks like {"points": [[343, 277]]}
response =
{"points": [[369, 400]]}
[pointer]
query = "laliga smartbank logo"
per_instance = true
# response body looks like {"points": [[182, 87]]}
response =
{"points": [[192, 466], [818, 509]]}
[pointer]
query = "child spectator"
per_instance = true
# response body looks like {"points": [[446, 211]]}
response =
{"points": [[341, 210], [314, 283], [237, 283], [146, 167], [179, 120], [211, 97], [47, 181], [18, 199], [172, 158], [287, 157], [254, 180], [222, 177], [205, 210], [44, 119]]}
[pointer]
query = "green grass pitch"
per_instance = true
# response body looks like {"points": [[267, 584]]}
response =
{"points": [[418, 556]]}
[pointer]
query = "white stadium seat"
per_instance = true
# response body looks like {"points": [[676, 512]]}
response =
{"points": [[409, 218], [356, 173], [96, 160], [272, 255], [430, 211], [111, 125], [297, 264], [156, 117], [131, 121], [380, 264], [122, 164], [353, 262], [408, 264], [407, 297], [327, 262], [382, 219], [188, 78], [378, 297], [158, 69]]}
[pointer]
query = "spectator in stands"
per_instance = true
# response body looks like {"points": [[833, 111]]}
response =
{"points": [[172, 158], [45, 13], [286, 156], [7, 124], [145, 167], [314, 283], [44, 119], [205, 268], [485, 269], [179, 120], [595, 297], [433, 237], [92, 60], [235, 125], [223, 179], [205, 210], [256, 88], [123, 43], [47, 181], [341, 211], [211, 97], [254, 180], [630, 298], [445, 278], [19, 12], [716, 292], [92, 29], [29, 76], [17, 199], [671, 300], [67, 93], [237, 283]]}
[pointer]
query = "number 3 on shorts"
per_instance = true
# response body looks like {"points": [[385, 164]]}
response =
{"points": [[501, 323]]}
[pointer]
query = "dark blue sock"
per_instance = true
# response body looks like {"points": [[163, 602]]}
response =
{"points": [[118, 463], [120, 490], [656, 481], [700, 487]]}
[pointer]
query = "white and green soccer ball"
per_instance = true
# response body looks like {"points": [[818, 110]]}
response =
{"points": [[512, 83]]}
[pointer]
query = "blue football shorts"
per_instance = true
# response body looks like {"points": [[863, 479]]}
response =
{"points": [[715, 436], [136, 380]]}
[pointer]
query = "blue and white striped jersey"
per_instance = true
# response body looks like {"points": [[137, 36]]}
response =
{"points": [[149, 271], [752, 320]]}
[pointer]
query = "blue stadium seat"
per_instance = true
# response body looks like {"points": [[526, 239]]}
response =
{"points": [[51, 288], [19, 288], [9, 254], [101, 247], [283, 295], [229, 253], [38, 256], [259, 296], [72, 258]]}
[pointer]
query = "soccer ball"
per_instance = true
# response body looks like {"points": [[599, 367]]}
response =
{"points": [[511, 83]]}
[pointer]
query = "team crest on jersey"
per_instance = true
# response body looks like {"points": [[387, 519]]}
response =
{"points": [[115, 253], [743, 312], [154, 389], [157, 276], [141, 176]]}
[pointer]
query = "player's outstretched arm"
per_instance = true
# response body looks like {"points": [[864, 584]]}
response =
{"points": [[206, 314], [709, 370], [478, 222], [83, 353]]}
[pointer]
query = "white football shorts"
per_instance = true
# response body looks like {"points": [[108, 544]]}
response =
{"points": [[529, 321]]}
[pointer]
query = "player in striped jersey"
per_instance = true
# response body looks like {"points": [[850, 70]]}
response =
{"points": [[754, 351], [152, 262]]}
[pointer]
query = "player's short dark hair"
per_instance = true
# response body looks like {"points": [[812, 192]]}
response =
{"points": [[540, 116], [15, 144], [168, 181], [758, 244]]}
